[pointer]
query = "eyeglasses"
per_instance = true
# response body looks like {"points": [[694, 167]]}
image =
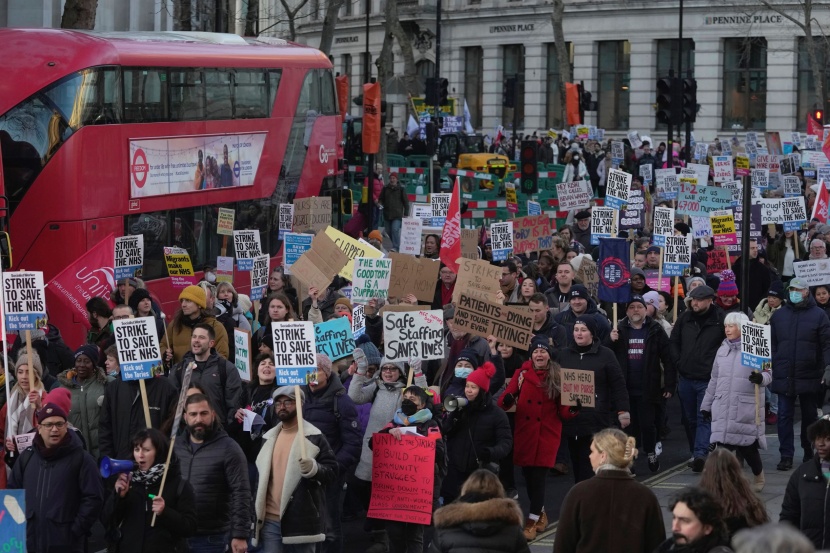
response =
{"points": [[51, 425], [388, 369], [285, 403]]}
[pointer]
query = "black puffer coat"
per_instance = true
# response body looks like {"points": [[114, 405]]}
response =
{"points": [[695, 341], [479, 525], [481, 425], [656, 351], [800, 348], [805, 503], [333, 412]]}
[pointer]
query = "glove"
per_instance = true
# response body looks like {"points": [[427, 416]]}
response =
{"points": [[707, 415], [508, 401], [826, 379], [625, 419], [308, 467], [360, 359], [574, 409], [756, 377], [485, 455]]}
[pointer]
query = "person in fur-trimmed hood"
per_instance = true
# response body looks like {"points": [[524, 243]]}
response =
{"points": [[481, 520]]}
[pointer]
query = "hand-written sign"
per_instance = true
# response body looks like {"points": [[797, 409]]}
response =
{"points": [[352, 248], [723, 168], [756, 345], [469, 243], [501, 238], [224, 223], [371, 279], [294, 352], [702, 226], [717, 261], [413, 335], [478, 279], [25, 303], [286, 219], [179, 267], [529, 233], [411, 229], [771, 211], [814, 271], [312, 214], [588, 275], [617, 189], [137, 343], [573, 195], [480, 317], [688, 204], [246, 246], [633, 216], [242, 353], [603, 223], [129, 255], [403, 475], [411, 275], [577, 385], [334, 338]]}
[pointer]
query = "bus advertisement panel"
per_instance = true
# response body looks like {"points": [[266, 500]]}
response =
{"points": [[173, 165]]}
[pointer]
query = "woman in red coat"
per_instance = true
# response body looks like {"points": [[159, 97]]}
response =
{"points": [[535, 391]]}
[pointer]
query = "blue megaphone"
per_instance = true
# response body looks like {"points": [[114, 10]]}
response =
{"points": [[116, 466]]}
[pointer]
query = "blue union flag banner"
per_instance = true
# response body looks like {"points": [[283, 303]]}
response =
{"points": [[614, 274]]}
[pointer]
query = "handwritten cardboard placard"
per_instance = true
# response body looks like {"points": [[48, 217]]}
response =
{"points": [[318, 266], [370, 279], [294, 352], [225, 221], [469, 243], [179, 267], [137, 342], [716, 261], [478, 279], [25, 302], [129, 256], [588, 275], [412, 275], [413, 335], [480, 317], [577, 385], [352, 248], [335, 338], [573, 195], [311, 214], [242, 353], [247, 246], [530, 233]]}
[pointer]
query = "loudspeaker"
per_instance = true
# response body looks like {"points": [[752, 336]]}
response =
{"points": [[116, 466], [451, 403]]}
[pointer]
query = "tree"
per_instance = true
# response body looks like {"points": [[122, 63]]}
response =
{"points": [[79, 14], [557, 15], [251, 17], [291, 14], [329, 22]]}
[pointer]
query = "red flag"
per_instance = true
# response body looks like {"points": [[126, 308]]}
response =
{"points": [[821, 203], [451, 237], [813, 126]]}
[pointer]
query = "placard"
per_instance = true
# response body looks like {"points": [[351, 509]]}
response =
{"points": [[742, 168], [577, 385], [723, 227], [358, 321], [701, 172], [469, 243], [723, 168], [352, 248], [655, 282], [225, 221], [295, 245], [137, 342], [587, 274], [772, 212], [792, 187], [701, 226], [634, 139], [714, 198], [603, 223], [716, 261], [13, 525], [294, 352], [25, 302], [179, 267], [286, 219], [677, 255], [501, 240], [814, 271], [756, 346], [633, 216], [688, 204], [312, 214], [483, 318], [335, 338], [242, 353], [477, 278], [370, 279], [666, 183], [224, 269], [413, 335], [701, 151], [534, 208], [795, 213], [411, 229], [573, 195], [760, 178], [511, 198], [259, 275], [663, 225], [129, 256], [440, 206], [411, 275], [617, 153], [403, 473], [317, 267], [246, 246], [646, 174], [617, 189], [531, 233]]}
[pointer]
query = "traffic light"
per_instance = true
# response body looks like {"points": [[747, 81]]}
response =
{"points": [[431, 91], [431, 131], [530, 170], [689, 100], [669, 100], [818, 115], [585, 100], [443, 92], [509, 93]]}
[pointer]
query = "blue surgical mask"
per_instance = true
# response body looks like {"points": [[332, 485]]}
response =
{"points": [[463, 372], [795, 297]]}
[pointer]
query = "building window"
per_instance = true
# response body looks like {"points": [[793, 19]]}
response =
{"points": [[347, 8], [806, 81], [745, 83], [513, 64], [474, 82], [346, 66], [667, 61], [553, 101], [613, 79]]}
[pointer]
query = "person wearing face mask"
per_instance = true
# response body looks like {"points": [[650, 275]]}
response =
{"points": [[575, 169], [459, 340], [800, 366], [478, 434], [536, 392]]}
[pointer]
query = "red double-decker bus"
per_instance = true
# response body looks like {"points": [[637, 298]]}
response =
{"points": [[151, 133]]}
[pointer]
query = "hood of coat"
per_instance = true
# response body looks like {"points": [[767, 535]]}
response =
{"points": [[67, 378], [479, 516]]}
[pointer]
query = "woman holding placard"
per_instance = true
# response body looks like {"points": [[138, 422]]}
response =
{"points": [[17, 416], [278, 308], [731, 402]]}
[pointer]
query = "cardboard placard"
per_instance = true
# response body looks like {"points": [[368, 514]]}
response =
{"points": [[573, 195], [179, 267], [335, 338], [756, 345], [663, 225], [137, 342], [603, 223], [577, 384], [530, 233], [242, 353], [480, 317], [246, 246], [352, 248], [225, 221], [129, 256], [318, 266], [501, 239], [588, 275], [371, 279], [259, 275], [617, 189], [25, 302], [814, 271], [469, 243], [412, 275], [478, 279], [311, 214], [294, 352], [286, 215], [413, 335]]}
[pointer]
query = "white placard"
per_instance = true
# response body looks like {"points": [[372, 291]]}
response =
{"points": [[246, 247], [663, 225], [411, 229], [242, 353], [371, 278], [137, 343], [295, 350], [286, 219], [25, 302], [501, 240], [413, 335], [129, 255], [573, 195]]}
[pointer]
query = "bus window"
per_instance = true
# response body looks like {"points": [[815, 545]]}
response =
{"points": [[89, 97], [155, 228], [250, 94], [329, 100], [218, 92], [273, 85], [187, 95], [145, 95]]}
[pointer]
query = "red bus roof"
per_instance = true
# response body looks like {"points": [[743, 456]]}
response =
{"points": [[34, 58]]}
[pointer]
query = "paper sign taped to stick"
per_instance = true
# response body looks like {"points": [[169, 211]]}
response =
{"points": [[318, 266], [352, 248], [573, 195], [603, 223], [412, 275], [225, 221], [242, 353], [246, 246], [137, 342], [25, 302], [312, 214], [478, 279], [501, 238], [335, 338], [402, 478], [617, 189], [411, 229], [179, 267], [756, 345], [259, 275], [286, 219], [577, 385], [530, 233], [413, 335], [814, 271], [480, 317], [294, 352], [370, 279], [129, 256]]}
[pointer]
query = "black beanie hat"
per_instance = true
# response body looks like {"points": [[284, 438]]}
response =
{"points": [[136, 297]]}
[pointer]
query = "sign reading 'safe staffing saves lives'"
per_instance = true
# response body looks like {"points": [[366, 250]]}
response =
{"points": [[139, 354], [25, 303], [295, 351]]}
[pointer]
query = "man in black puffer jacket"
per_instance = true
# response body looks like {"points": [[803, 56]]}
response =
{"points": [[216, 467]]}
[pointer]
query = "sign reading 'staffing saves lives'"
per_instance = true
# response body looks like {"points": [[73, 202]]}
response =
{"points": [[139, 354], [129, 255], [24, 300], [295, 351]]}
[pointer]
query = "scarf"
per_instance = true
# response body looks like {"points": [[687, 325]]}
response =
{"points": [[421, 416], [20, 413], [49, 452], [148, 477]]}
